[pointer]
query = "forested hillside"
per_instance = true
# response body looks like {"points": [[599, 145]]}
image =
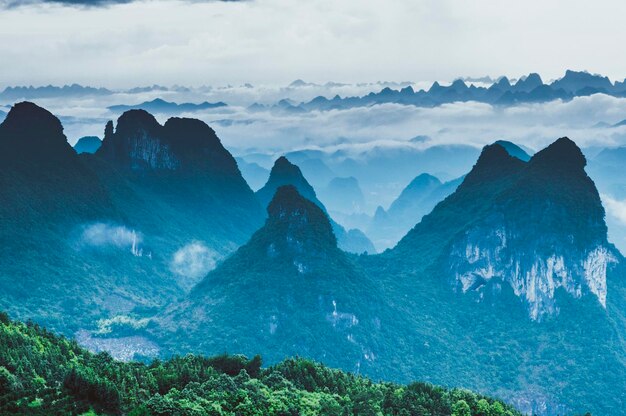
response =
{"points": [[45, 374]]}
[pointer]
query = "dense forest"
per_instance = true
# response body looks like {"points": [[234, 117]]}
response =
{"points": [[45, 374]]}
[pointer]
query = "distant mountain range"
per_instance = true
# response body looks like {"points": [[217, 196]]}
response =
{"points": [[161, 106], [11, 94], [529, 89], [502, 92]]}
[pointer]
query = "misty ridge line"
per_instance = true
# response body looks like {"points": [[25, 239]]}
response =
{"points": [[500, 91]]}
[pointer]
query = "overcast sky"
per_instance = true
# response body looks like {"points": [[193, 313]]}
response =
{"points": [[277, 41]]}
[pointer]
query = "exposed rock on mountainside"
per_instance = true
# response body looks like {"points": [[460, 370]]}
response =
{"points": [[536, 226]]}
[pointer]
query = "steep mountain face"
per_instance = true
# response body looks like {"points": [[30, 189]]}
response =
{"points": [[535, 226], [54, 264], [117, 232], [182, 144], [182, 168], [41, 174], [284, 290], [285, 173]]}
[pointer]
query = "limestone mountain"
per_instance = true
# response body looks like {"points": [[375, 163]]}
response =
{"points": [[286, 173], [522, 224], [282, 292]]}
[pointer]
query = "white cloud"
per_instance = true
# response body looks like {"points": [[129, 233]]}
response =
{"points": [[281, 40], [103, 235], [193, 261], [615, 208]]}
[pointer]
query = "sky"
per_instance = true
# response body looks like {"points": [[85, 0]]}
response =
{"points": [[276, 41]]}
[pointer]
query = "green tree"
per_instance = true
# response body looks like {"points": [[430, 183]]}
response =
{"points": [[461, 408]]}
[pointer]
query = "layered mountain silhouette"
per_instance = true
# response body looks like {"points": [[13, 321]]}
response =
{"points": [[161, 106], [509, 286], [507, 262], [285, 173], [527, 89]]}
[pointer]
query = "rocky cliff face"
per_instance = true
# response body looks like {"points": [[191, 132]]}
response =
{"points": [[140, 143], [544, 232]]}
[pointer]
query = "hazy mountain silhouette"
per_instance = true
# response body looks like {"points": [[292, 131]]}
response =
{"points": [[88, 144]]}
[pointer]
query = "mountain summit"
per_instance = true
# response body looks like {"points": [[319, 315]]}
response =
{"points": [[181, 144], [286, 173], [30, 132]]}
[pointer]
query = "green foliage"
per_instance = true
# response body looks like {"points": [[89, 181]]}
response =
{"points": [[44, 374]]}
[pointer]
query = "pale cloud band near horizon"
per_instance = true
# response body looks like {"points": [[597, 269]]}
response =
{"points": [[277, 41]]}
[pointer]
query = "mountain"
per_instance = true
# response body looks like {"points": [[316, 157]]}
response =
{"points": [[384, 170], [514, 150], [12, 94], [415, 201], [156, 246], [87, 144], [574, 82], [161, 106], [117, 232], [290, 275], [344, 194], [498, 241], [41, 173], [255, 174], [528, 83], [518, 257], [46, 374], [50, 199], [528, 89], [285, 173], [180, 171]]}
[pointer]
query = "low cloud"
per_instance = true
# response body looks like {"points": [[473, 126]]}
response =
{"points": [[109, 235], [193, 261], [615, 208]]}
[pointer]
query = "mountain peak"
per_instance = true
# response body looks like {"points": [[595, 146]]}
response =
{"points": [[561, 155], [286, 173], [297, 221], [132, 120], [494, 162], [34, 131], [182, 144], [514, 150]]}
